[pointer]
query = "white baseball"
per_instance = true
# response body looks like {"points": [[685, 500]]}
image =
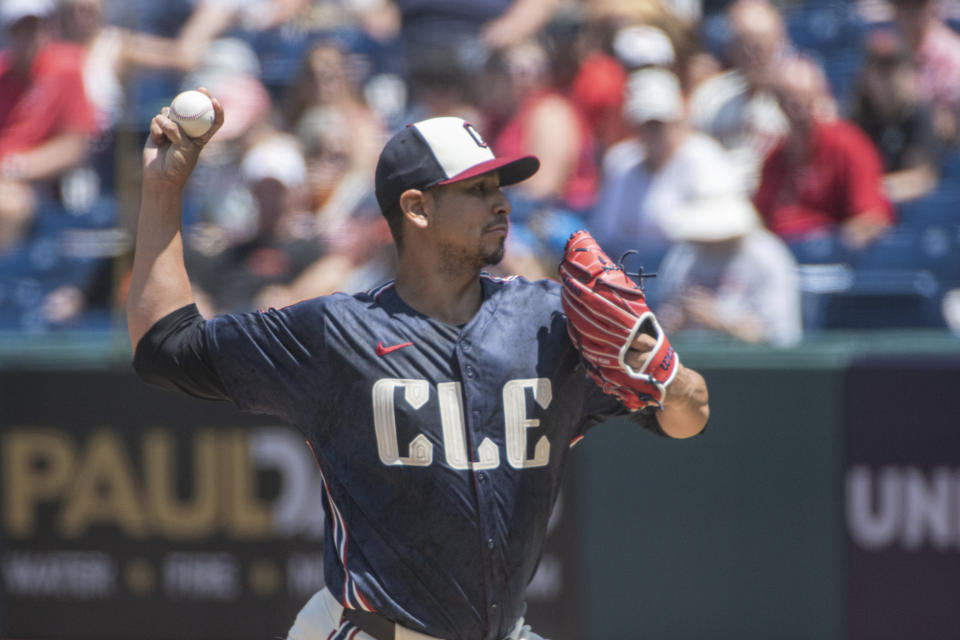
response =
{"points": [[193, 111]]}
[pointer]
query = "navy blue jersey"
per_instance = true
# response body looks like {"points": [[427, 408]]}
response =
{"points": [[441, 447]]}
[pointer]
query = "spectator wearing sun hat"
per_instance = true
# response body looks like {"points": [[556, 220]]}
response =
{"points": [[726, 275], [674, 167]]}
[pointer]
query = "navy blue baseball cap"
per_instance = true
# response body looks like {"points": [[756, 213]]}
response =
{"points": [[440, 151]]}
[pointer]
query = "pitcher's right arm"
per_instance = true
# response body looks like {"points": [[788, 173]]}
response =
{"points": [[159, 282]]}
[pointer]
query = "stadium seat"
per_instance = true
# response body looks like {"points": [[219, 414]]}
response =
{"points": [[873, 299], [942, 206], [950, 169], [148, 93], [820, 248], [825, 26], [935, 247], [280, 53], [65, 248]]}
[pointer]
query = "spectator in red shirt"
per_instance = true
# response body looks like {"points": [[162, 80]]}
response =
{"points": [[826, 175], [523, 96], [46, 123], [523, 93]]}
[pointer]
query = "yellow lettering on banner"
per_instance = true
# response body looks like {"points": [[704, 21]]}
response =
{"points": [[37, 465], [169, 515], [103, 491], [264, 577], [247, 517], [99, 480]]}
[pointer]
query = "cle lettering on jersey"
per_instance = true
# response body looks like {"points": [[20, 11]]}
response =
{"points": [[415, 393]]}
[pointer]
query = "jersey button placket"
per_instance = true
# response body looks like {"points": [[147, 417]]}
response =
{"points": [[474, 394]]}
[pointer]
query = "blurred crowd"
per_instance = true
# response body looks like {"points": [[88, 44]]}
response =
{"points": [[783, 168]]}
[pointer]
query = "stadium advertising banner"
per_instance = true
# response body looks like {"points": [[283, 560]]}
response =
{"points": [[133, 512], [903, 499]]}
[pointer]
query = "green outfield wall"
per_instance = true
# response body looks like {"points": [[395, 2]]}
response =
{"points": [[822, 502], [742, 532]]}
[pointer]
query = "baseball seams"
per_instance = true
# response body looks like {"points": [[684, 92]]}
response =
{"points": [[193, 111], [191, 116]]}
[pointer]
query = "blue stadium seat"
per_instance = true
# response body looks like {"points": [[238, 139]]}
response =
{"points": [[833, 33], [148, 92], [64, 248], [950, 169], [161, 18], [826, 26], [876, 299], [820, 248], [280, 53], [842, 69], [715, 35], [939, 207], [935, 248], [52, 218]]}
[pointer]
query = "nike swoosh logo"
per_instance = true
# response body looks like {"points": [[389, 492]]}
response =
{"points": [[382, 350]]}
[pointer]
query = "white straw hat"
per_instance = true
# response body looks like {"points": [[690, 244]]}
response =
{"points": [[653, 94]]}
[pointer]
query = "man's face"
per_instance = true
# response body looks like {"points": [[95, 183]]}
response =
{"points": [[25, 37], [469, 221], [659, 140], [273, 201], [913, 17], [798, 96], [83, 17], [329, 73], [757, 45], [326, 166]]}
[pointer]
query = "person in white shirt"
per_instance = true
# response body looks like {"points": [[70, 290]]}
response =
{"points": [[738, 107], [657, 175], [727, 275]]}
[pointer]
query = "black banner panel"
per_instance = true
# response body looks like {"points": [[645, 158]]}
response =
{"points": [[902, 499], [129, 512]]}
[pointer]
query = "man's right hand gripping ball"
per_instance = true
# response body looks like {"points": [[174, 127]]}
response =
{"points": [[606, 312], [170, 155]]}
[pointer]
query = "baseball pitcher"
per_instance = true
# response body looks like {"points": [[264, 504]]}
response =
{"points": [[440, 406]]}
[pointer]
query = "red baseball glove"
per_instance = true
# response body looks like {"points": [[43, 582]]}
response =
{"points": [[606, 310]]}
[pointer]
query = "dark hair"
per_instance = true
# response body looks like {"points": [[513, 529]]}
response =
{"points": [[885, 47], [394, 214], [394, 217]]}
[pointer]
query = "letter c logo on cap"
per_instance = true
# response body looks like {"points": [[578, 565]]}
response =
{"points": [[474, 134]]}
